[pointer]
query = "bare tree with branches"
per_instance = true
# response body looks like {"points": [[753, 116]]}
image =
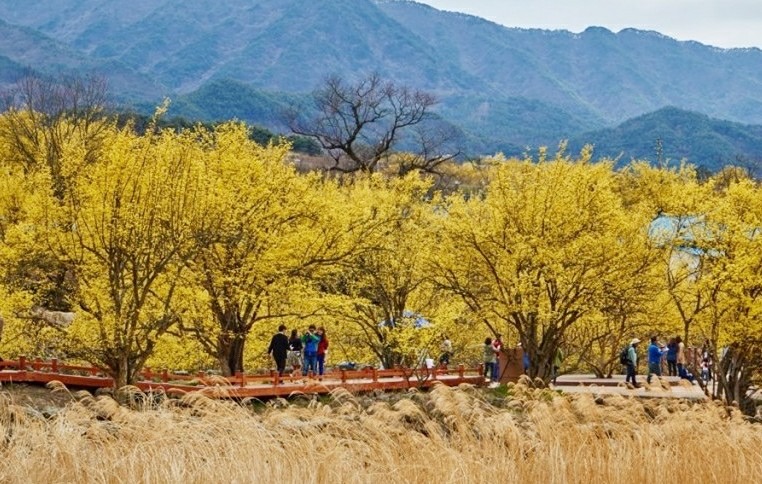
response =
{"points": [[360, 125], [42, 114]]}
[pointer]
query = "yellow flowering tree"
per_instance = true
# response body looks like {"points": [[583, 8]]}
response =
{"points": [[537, 253], [731, 265], [383, 288], [126, 225]]}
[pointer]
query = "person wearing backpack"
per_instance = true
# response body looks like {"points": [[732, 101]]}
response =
{"points": [[310, 341], [629, 357]]}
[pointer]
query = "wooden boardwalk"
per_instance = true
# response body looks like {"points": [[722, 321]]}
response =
{"points": [[240, 385], [668, 387]]}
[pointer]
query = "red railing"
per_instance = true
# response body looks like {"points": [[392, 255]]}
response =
{"points": [[39, 371], [51, 366]]}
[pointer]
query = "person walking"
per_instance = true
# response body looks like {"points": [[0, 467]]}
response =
{"points": [[558, 359], [707, 357], [680, 357], [654, 359], [525, 362], [310, 341], [489, 360], [672, 357], [632, 362], [497, 347], [278, 349], [295, 354], [322, 347], [446, 351]]}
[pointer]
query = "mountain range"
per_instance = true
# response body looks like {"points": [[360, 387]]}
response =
{"points": [[506, 88]]}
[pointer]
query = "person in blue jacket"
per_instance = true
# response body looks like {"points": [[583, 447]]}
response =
{"points": [[310, 340], [654, 359], [525, 360]]}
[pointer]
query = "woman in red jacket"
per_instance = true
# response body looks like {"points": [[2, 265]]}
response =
{"points": [[322, 347]]}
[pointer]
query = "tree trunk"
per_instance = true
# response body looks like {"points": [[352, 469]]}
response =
{"points": [[540, 369], [121, 379], [389, 358], [230, 354], [118, 370], [540, 364], [126, 370]]}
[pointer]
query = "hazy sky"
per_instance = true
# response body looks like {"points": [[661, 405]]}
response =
{"points": [[723, 23]]}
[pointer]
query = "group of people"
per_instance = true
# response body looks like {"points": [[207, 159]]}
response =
{"points": [[673, 353], [305, 353], [493, 348]]}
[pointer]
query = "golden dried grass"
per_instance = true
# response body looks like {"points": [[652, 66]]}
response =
{"points": [[446, 435]]}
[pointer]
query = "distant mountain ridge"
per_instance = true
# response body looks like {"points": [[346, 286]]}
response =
{"points": [[23, 49], [706, 142], [507, 88]]}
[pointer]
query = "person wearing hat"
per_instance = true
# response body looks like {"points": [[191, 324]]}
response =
{"points": [[632, 362]]}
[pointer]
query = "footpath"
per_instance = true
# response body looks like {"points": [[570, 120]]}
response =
{"points": [[664, 387]]}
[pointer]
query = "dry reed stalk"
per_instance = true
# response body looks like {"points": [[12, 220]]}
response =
{"points": [[446, 435]]}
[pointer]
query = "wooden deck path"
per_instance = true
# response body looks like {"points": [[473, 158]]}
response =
{"points": [[616, 386], [241, 385]]}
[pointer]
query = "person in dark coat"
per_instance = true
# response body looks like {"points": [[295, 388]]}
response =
{"points": [[279, 349]]}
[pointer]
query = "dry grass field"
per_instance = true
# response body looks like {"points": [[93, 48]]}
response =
{"points": [[446, 435]]}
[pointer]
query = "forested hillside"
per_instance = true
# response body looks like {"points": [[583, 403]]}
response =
{"points": [[507, 89], [677, 135]]}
